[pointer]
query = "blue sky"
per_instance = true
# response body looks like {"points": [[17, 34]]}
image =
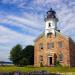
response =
{"points": [[21, 21]]}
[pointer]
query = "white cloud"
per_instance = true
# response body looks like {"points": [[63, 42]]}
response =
{"points": [[12, 36], [33, 23], [12, 1], [9, 38], [28, 21], [44, 2], [66, 15]]}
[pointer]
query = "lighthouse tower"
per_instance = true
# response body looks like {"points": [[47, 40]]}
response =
{"points": [[51, 23]]}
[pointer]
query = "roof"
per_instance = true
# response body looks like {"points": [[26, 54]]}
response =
{"points": [[42, 34]]}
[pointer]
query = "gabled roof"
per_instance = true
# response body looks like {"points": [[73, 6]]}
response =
{"points": [[41, 35]]}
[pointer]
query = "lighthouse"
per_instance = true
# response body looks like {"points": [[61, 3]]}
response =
{"points": [[52, 46], [51, 22]]}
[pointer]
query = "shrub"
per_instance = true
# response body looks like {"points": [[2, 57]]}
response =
{"points": [[58, 64]]}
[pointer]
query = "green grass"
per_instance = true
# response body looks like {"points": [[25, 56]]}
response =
{"points": [[27, 69]]}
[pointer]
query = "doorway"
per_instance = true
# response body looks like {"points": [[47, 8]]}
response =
{"points": [[49, 60]]}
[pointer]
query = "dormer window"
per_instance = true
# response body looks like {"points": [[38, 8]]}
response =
{"points": [[49, 25]]}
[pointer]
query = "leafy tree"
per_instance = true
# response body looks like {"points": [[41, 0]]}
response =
{"points": [[28, 52], [22, 57], [15, 54]]}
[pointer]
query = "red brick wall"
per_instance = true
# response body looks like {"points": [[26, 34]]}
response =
{"points": [[45, 52], [72, 52]]}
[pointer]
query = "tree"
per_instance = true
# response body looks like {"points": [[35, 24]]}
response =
{"points": [[28, 52], [15, 54], [22, 57], [24, 61]]}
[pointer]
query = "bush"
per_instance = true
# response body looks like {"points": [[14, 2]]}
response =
{"points": [[57, 64]]}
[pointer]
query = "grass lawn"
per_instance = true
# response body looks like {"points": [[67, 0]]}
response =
{"points": [[27, 69]]}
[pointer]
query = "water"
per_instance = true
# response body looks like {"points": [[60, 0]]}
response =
{"points": [[29, 73]]}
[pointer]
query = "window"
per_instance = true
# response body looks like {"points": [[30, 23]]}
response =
{"points": [[49, 25], [49, 33], [41, 46], [41, 58], [60, 44], [50, 45], [61, 57]]}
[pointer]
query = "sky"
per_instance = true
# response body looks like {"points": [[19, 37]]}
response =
{"points": [[22, 21]]}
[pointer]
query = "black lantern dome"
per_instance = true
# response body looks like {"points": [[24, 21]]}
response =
{"points": [[50, 14]]}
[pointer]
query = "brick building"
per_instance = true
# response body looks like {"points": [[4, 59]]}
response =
{"points": [[51, 46]]}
